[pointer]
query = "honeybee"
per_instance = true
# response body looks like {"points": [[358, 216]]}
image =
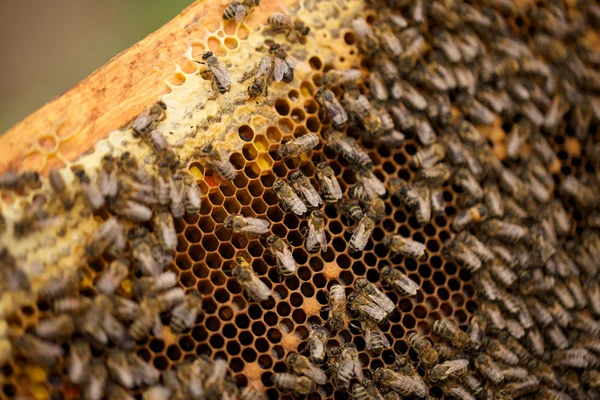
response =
{"points": [[484, 253], [467, 217], [169, 299], [164, 182], [95, 386], [345, 365], [59, 187], [351, 209], [317, 341], [240, 224], [285, 260], [488, 368], [55, 328], [364, 112], [428, 156], [262, 73], [585, 323], [535, 342], [248, 393], [293, 25], [131, 210], [377, 86], [447, 329], [399, 281], [504, 231], [217, 69], [114, 391], [493, 200], [300, 385], [78, 361], [125, 309], [148, 119], [37, 350], [500, 352], [301, 365], [192, 194], [119, 369], [405, 246], [255, 288], [110, 280], [403, 384], [375, 340], [465, 179], [220, 161], [359, 392], [239, 10], [414, 48], [375, 300], [362, 233], [295, 147], [288, 197], [443, 371], [337, 77], [216, 384], [146, 319], [72, 305], [91, 190], [332, 106], [141, 254], [577, 291], [442, 40], [164, 228], [424, 349], [302, 185], [487, 286], [162, 148], [461, 253], [316, 232], [330, 187], [284, 64], [185, 314], [592, 289], [337, 307], [59, 285], [366, 37], [388, 40]]}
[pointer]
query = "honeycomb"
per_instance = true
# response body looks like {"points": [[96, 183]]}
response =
{"points": [[255, 338]]}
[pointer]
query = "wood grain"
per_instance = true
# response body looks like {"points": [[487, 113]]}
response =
{"points": [[114, 94]]}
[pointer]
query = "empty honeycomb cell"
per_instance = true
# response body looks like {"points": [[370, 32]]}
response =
{"points": [[193, 235], [210, 242], [283, 309], [217, 341], [233, 348], [246, 338], [216, 198], [281, 292], [187, 279], [286, 125], [174, 353], [315, 63], [252, 170]]}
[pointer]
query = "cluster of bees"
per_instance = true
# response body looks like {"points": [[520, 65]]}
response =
{"points": [[536, 330]]}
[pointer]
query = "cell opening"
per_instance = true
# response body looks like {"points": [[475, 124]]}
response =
{"points": [[282, 107], [174, 353], [246, 133]]}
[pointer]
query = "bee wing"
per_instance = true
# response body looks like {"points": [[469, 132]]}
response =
{"points": [[296, 204], [291, 62], [323, 240], [221, 74], [258, 289], [381, 300], [316, 374], [256, 225], [240, 13], [310, 194], [369, 338], [313, 237], [286, 259], [373, 183], [265, 66], [360, 237], [280, 68], [407, 285], [455, 366], [372, 311], [420, 388], [333, 186]]}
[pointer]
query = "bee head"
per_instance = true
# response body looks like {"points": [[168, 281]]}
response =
{"points": [[254, 90], [296, 175], [291, 358], [322, 165], [317, 214], [278, 185], [207, 55], [272, 239], [385, 270], [207, 149], [274, 47], [229, 222], [305, 31]]}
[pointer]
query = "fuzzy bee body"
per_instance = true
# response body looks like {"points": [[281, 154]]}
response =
{"points": [[240, 224], [185, 314], [218, 71], [337, 307], [295, 147], [330, 187], [399, 281], [285, 260], [255, 288], [332, 107], [424, 349], [302, 185], [289, 198]]}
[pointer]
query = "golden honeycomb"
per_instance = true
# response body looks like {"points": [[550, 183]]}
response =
{"points": [[254, 337]]}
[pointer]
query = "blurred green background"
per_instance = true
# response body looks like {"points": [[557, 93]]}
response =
{"points": [[47, 46]]}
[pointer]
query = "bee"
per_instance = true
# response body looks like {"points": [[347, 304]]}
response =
{"points": [[284, 64], [162, 148], [412, 98], [164, 228], [489, 369], [255, 288], [465, 179], [556, 337], [185, 314], [330, 187], [72, 305], [95, 386], [55, 328], [442, 40], [148, 119], [146, 319], [91, 190], [192, 194], [59, 187], [262, 73], [359, 392], [388, 40], [573, 358], [114, 391], [416, 196], [110, 280], [362, 233], [403, 384], [300, 385], [371, 182], [119, 369], [239, 10], [216, 68], [317, 341], [288, 197], [251, 394], [170, 298], [374, 296], [220, 161], [142, 256], [578, 293], [295, 147], [493, 200], [337, 307], [467, 217], [37, 350], [592, 289], [443, 371], [461, 253], [504, 231], [131, 210], [316, 232], [414, 48], [248, 225], [427, 354], [562, 317], [563, 295], [405, 246], [367, 40], [301, 365], [455, 390], [351, 209], [302, 185], [78, 361], [585, 323], [401, 282], [293, 25], [376, 85], [472, 108], [500, 352], [364, 112], [345, 365], [164, 182], [285, 260], [332, 106], [487, 286], [476, 331], [448, 330], [59, 285], [484, 253], [336, 77], [535, 342], [428, 156], [375, 340], [215, 383]]}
